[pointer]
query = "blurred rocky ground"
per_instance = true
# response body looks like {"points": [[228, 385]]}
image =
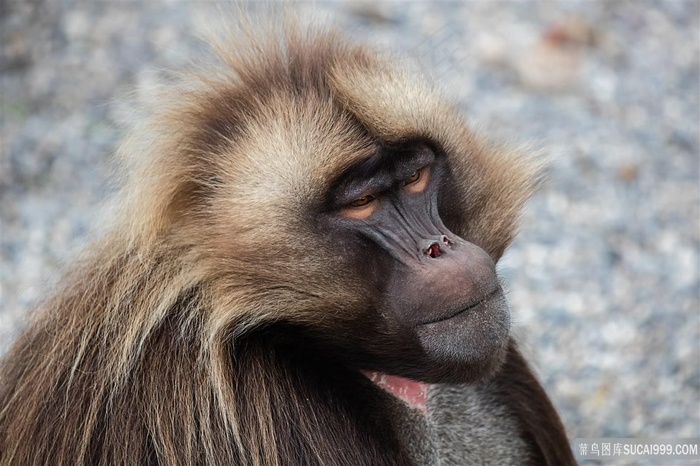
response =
{"points": [[605, 277]]}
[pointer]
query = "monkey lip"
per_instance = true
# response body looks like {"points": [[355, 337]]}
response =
{"points": [[412, 392], [463, 310]]}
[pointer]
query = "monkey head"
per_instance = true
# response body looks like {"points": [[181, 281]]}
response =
{"points": [[329, 191]]}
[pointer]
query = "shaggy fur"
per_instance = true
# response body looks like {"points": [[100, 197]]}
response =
{"points": [[175, 340]]}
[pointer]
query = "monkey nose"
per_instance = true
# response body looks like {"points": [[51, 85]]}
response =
{"points": [[435, 247]]}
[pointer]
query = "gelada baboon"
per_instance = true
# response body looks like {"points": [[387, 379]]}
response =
{"points": [[303, 221]]}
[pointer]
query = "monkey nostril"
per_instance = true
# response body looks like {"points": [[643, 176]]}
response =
{"points": [[433, 251], [445, 240]]}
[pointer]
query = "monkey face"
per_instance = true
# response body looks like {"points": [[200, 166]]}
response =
{"points": [[440, 312], [343, 198]]}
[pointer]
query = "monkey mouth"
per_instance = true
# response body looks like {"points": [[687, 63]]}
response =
{"points": [[463, 310], [411, 392]]}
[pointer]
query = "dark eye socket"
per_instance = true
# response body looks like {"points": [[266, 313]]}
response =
{"points": [[362, 201]]}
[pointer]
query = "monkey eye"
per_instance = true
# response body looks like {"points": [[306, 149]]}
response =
{"points": [[362, 201], [361, 208], [418, 181], [413, 178]]}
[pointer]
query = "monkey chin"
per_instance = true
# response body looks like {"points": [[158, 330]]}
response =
{"points": [[469, 346]]}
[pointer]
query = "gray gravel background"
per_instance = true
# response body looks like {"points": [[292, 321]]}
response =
{"points": [[604, 278]]}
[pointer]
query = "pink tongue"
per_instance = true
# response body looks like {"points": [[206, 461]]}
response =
{"points": [[412, 392]]}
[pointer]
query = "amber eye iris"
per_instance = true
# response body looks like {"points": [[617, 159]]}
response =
{"points": [[362, 201], [413, 178]]}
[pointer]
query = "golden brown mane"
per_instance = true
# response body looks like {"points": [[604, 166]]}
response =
{"points": [[154, 350]]}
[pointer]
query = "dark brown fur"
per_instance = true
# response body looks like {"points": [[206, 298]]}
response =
{"points": [[166, 345]]}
